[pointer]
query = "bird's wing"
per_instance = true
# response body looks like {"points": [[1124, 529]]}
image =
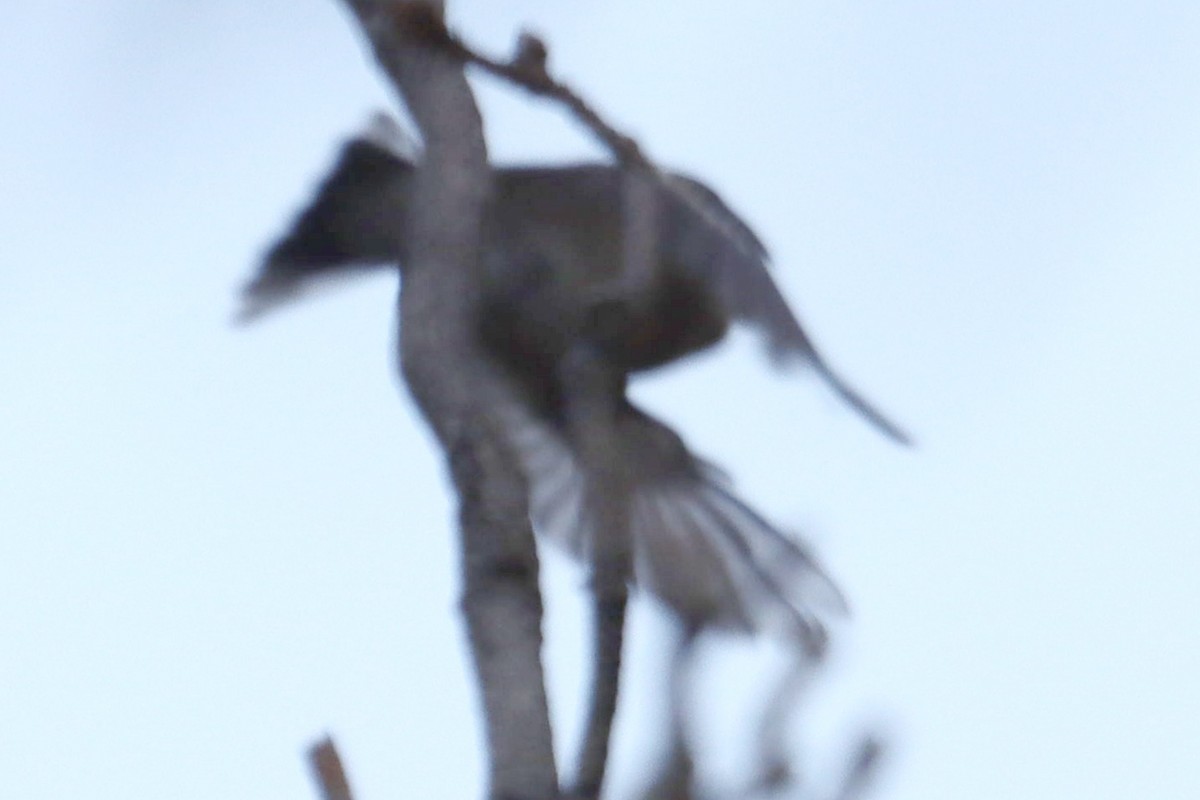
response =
{"points": [[705, 236]]}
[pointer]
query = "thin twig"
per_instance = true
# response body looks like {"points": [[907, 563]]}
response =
{"points": [[608, 628], [527, 69], [593, 392], [328, 772]]}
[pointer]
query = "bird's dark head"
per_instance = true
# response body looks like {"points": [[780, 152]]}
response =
{"points": [[355, 221]]}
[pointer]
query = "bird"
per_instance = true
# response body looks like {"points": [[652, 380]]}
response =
{"points": [[552, 251]]}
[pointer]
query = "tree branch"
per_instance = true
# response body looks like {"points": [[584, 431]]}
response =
{"points": [[455, 387], [328, 772], [591, 405]]}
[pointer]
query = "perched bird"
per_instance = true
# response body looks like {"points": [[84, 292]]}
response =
{"points": [[552, 249]]}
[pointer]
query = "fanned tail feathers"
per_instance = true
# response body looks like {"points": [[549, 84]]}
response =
{"points": [[696, 546]]}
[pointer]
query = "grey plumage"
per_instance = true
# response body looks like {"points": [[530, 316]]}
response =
{"points": [[552, 249]]}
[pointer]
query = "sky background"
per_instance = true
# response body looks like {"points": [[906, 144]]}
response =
{"points": [[218, 543]]}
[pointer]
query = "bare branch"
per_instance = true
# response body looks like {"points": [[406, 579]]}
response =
{"points": [[455, 387], [593, 400], [527, 69], [327, 769]]}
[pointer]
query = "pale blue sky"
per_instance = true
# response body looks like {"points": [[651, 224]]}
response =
{"points": [[217, 543]]}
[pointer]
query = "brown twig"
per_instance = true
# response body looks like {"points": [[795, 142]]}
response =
{"points": [[528, 70], [328, 772]]}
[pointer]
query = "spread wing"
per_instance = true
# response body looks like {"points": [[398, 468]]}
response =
{"points": [[705, 236]]}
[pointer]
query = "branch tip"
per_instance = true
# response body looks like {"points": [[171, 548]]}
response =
{"points": [[328, 771], [531, 57]]}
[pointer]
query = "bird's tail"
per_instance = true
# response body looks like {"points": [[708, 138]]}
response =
{"points": [[354, 221], [700, 549]]}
